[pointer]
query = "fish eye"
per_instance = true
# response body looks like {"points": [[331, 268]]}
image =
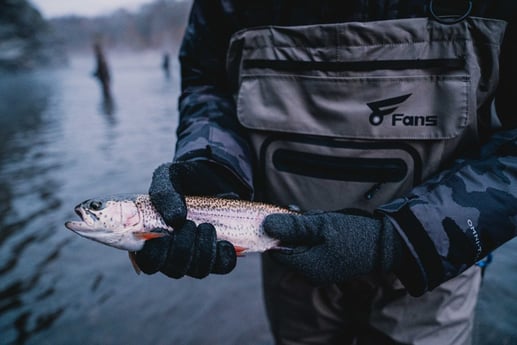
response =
{"points": [[95, 205]]}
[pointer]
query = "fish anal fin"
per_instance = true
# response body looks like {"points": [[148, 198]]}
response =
{"points": [[132, 258]]}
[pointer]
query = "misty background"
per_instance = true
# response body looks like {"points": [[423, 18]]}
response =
{"points": [[28, 40]]}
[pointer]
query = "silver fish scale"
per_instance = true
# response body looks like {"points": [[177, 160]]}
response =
{"points": [[150, 217], [237, 221]]}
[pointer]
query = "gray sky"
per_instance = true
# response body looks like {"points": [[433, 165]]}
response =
{"points": [[53, 8]]}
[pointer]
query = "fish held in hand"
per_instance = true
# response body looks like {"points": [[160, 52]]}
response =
{"points": [[126, 221]]}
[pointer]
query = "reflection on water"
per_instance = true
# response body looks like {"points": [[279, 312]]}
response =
{"points": [[62, 142], [107, 107]]}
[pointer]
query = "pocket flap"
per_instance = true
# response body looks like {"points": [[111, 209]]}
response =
{"points": [[377, 107]]}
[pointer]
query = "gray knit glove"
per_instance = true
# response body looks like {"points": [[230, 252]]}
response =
{"points": [[335, 247]]}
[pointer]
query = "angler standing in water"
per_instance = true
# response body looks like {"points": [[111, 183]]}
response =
{"points": [[394, 119], [166, 65], [102, 72]]}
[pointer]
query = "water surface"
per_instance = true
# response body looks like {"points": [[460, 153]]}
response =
{"points": [[61, 143]]}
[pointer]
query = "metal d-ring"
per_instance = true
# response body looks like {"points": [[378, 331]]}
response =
{"points": [[449, 20]]}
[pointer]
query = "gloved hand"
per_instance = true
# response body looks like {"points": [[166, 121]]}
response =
{"points": [[335, 247], [190, 250]]}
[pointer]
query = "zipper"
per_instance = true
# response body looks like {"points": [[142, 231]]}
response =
{"points": [[354, 66], [330, 142], [339, 168]]}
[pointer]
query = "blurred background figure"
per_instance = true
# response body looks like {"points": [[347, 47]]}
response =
{"points": [[166, 65], [102, 72]]}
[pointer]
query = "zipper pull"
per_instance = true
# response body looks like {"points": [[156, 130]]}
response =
{"points": [[371, 192]]}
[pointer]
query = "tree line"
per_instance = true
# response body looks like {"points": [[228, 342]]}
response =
{"points": [[157, 25]]}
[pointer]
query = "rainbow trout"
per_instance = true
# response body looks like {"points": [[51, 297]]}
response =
{"points": [[126, 221]]}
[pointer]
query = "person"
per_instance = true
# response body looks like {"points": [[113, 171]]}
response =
{"points": [[165, 64], [390, 123], [102, 72]]}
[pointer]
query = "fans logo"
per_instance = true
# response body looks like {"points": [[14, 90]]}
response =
{"points": [[386, 107]]}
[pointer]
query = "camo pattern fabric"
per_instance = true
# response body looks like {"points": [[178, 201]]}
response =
{"points": [[208, 127], [210, 132], [449, 222], [456, 218]]}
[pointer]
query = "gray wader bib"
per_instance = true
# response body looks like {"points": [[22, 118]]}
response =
{"points": [[353, 115]]}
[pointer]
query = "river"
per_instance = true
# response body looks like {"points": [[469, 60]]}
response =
{"points": [[61, 142]]}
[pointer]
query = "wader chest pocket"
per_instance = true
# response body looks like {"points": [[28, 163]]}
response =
{"points": [[334, 174], [356, 114], [336, 136]]}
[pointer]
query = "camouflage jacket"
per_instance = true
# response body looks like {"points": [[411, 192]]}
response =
{"points": [[448, 222]]}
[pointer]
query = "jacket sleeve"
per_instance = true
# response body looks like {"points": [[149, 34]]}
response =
{"points": [[208, 127], [455, 219]]}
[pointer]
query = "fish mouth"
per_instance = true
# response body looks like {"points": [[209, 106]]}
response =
{"points": [[88, 220], [75, 226]]}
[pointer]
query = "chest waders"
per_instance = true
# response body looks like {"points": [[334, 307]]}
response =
{"points": [[353, 115]]}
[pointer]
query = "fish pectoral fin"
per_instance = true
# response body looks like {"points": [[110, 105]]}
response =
{"points": [[132, 258], [240, 250], [147, 235]]}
